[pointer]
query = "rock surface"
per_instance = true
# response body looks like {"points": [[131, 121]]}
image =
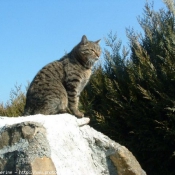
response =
{"points": [[62, 145]]}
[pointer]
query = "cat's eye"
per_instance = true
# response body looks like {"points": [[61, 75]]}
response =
{"points": [[95, 52]]}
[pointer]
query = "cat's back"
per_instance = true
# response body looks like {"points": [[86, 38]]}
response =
{"points": [[53, 71]]}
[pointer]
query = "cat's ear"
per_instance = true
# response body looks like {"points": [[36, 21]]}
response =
{"points": [[98, 41], [84, 40]]}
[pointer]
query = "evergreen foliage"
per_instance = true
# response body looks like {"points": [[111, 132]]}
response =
{"points": [[132, 98], [15, 106]]}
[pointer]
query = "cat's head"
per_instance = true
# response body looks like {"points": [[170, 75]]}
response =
{"points": [[88, 52]]}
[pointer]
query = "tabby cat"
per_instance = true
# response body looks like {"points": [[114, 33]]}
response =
{"points": [[57, 86]]}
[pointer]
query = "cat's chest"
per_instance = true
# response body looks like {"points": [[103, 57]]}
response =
{"points": [[85, 75], [78, 77], [84, 80]]}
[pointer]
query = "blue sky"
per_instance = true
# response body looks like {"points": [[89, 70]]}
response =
{"points": [[36, 32]]}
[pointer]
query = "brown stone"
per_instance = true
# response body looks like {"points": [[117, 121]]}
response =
{"points": [[126, 163], [28, 132], [43, 166], [4, 139]]}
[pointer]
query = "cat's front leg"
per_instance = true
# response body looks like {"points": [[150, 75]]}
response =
{"points": [[73, 100], [73, 106]]}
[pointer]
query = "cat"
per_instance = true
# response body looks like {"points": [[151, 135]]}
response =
{"points": [[57, 86]]}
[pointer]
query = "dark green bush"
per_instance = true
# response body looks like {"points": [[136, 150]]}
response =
{"points": [[132, 98]]}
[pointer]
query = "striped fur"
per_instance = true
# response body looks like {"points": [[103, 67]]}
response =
{"points": [[57, 86]]}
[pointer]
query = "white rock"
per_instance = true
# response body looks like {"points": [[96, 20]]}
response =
{"points": [[76, 148]]}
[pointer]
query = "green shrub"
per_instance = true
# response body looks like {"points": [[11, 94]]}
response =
{"points": [[15, 106], [132, 98]]}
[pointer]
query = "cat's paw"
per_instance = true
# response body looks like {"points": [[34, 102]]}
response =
{"points": [[76, 112], [79, 114]]}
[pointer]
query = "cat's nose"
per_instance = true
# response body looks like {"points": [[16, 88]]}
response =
{"points": [[97, 55]]}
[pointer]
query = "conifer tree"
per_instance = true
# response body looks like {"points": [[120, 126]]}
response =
{"points": [[132, 95]]}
